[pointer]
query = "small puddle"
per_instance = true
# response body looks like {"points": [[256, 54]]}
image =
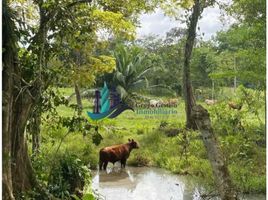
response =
{"points": [[144, 183]]}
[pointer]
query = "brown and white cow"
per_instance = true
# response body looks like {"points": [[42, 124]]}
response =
{"points": [[116, 153]]}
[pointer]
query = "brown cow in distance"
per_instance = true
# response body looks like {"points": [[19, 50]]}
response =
{"points": [[116, 153], [234, 105]]}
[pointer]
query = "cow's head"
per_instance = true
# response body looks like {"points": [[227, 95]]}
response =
{"points": [[133, 144]]}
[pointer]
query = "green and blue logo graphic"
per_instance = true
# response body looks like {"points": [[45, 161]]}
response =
{"points": [[107, 103]]}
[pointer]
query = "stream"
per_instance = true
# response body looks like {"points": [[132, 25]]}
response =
{"points": [[147, 183]]}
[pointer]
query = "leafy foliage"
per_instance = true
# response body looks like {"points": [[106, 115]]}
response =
{"points": [[131, 71], [60, 43], [244, 43], [68, 177]]}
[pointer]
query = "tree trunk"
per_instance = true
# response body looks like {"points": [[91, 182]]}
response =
{"points": [[22, 173], [235, 79], [78, 99], [9, 57], [213, 91], [198, 118], [187, 86], [17, 103], [215, 156], [35, 131], [16, 108], [6, 128], [8, 69]]}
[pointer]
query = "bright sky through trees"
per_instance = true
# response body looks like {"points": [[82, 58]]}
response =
{"points": [[158, 24]]}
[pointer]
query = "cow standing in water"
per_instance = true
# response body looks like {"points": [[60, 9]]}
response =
{"points": [[116, 153]]}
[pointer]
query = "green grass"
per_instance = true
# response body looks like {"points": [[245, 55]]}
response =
{"points": [[156, 149]]}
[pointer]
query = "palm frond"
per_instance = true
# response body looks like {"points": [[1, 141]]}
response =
{"points": [[120, 78], [139, 84], [161, 90], [122, 91], [143, 73]]}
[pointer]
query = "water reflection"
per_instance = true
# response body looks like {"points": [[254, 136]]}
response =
{"points": [[116, 178], [142, 183], [139, 184]]}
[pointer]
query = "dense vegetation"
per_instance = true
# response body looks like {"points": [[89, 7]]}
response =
{"points": [[51, 67], [165, 143]]}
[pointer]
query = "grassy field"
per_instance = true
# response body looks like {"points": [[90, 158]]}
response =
{"points": [[183, 153]]}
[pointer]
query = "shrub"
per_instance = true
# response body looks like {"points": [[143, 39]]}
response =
{"points": [[140, 131], [140, 158], [90, 156], [247, 180], [68, 176], [226, 121]]}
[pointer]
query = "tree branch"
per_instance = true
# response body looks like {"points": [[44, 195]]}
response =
{"points": [[78, 2]]}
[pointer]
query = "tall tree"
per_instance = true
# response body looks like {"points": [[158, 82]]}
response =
{"points": [[198, 117], [17, 104], [223, 181], [27, 75], [187, 86], [9, 56]]}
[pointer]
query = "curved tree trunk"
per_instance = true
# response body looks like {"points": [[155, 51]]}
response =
{"points": [[78, 99], [198, 118], [219, 167], [187, 86]]}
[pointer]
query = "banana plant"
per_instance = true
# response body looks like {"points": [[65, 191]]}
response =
{"points": [[131, 71], [133, 67]]}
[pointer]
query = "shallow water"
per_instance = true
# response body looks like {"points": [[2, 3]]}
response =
{"points": [[143, 183]]}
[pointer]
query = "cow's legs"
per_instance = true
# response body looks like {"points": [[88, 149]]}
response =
{"points": [[105, 165], [100, 164], [123, 163]]}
